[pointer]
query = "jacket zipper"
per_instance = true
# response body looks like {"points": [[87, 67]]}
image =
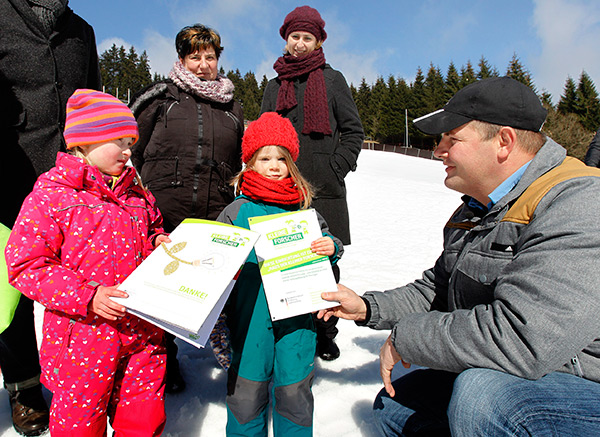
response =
{"points": [[235, 120], [196, 183], [65, 344], [167, 113]]}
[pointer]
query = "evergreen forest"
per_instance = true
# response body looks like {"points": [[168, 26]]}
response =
{"points": [[387, 106]]}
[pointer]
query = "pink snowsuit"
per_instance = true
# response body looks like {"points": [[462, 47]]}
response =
{"points": [[73, 233]]}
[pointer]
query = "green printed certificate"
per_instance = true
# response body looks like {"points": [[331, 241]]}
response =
{"points": [[183, 285], [293, 276]]}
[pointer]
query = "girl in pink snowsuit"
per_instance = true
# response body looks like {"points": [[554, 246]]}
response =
{"points": [[85, 227]]}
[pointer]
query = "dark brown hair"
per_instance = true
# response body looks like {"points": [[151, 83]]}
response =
{"points": [[196, 37]]}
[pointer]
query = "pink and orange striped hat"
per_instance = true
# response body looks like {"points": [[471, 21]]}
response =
{"points": [[94, 117]]}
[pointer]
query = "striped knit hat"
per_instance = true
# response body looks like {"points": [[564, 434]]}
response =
{"points": [[94, 117]]}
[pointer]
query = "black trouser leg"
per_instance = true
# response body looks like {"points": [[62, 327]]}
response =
{"points": [[19, 357]]}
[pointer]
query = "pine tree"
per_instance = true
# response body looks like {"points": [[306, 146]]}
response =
{"points": [[391, 128], [417, 88], [143, 71], [158, 77], [263, 86], [251, 97], [129, 75], [485, 69], [109, 68], [467, 75], [517, 71], [238, 83], [452, 82], [379, 94], [363, 104], [416, 108], [587, 103], [568, 100], [124, 71], [546, 99], [434, 88], [403, 93]]}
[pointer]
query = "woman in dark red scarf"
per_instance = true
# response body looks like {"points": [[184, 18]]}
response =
{"points": [[318, 102]]}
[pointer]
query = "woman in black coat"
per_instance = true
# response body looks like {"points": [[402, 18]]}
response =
{"points": [[190, 142], [318, 102]]}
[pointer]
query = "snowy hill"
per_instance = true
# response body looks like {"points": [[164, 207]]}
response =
{"points": [[398, 206]]}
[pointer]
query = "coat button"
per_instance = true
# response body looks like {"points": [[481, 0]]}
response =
{"points": [[482, 278]]}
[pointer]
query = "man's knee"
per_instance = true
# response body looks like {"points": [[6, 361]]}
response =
{"points": [[483, 401], [419, 405]]}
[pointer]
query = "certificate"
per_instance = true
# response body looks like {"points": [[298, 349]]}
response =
{"points": [[183, 285], [293, 276]]}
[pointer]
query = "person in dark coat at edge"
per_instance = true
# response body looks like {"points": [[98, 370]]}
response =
{"points": [[190, 142], [46, 53], [318, 102], [592, 157]]}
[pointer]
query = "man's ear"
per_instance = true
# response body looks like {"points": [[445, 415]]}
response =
{"points": [[507, 140]]}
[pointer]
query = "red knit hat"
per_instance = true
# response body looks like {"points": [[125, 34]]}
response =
{"points": [[306, 19], [95, 117], [271, 129]]}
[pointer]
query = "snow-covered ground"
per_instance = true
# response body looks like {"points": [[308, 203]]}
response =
{"points": [[398, 206]]}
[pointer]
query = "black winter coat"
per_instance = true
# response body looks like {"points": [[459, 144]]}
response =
{"points": [[188, 151], [325, 160], [38, 73]]}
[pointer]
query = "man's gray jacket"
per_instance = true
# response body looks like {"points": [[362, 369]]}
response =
{"points": [[516, 289]]}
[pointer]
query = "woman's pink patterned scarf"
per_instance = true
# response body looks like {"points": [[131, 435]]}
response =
{"points": [[218, 90]]}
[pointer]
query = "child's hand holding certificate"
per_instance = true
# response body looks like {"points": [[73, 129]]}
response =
{"points": [[293, 275], [183, 285]]}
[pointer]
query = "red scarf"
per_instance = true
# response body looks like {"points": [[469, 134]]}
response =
{"points": [[316, 111], [258, 187]]}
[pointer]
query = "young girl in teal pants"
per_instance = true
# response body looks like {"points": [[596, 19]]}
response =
{"points": [[265, 351]]}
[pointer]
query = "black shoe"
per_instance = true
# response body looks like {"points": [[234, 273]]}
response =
{"points": [[174, 381], [30, 414], [327, 349]]}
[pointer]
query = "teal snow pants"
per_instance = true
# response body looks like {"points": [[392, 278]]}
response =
{"points": [[281, 352]]}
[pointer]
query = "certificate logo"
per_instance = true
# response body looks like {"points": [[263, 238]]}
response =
{"points": [[234, 240], [292, 232]]}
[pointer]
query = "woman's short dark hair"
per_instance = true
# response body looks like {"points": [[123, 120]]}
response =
{"points": [[196, 37]]}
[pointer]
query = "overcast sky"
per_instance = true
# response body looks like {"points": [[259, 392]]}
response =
{"points": [[553, 39]]}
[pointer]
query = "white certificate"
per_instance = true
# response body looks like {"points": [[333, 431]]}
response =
{"points": [[183, 285], [293, 276]]}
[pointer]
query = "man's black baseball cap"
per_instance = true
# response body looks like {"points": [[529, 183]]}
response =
{"points": [[498, 100]]}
